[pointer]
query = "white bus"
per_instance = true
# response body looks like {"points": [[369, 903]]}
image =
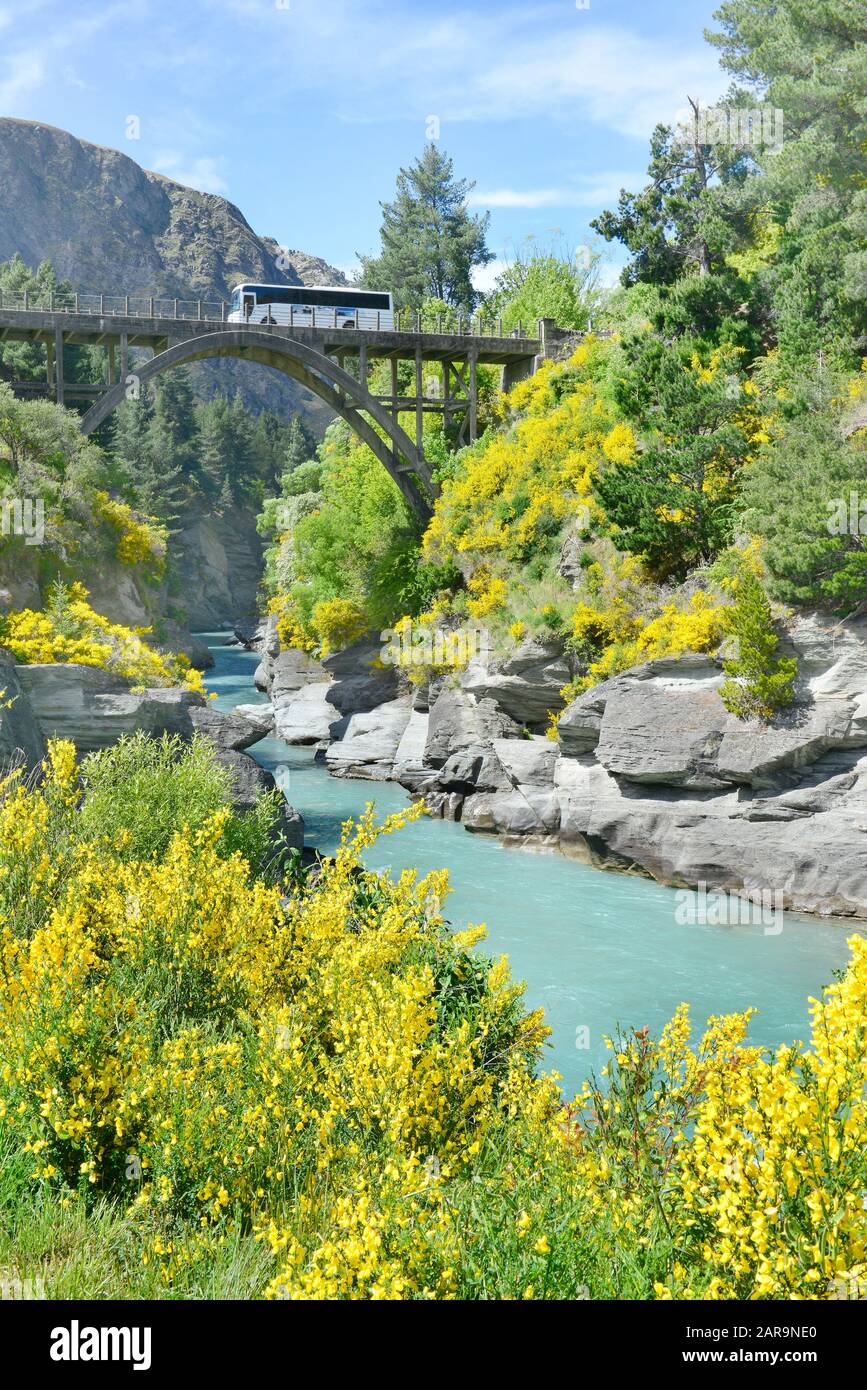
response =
{"points": [[312, 306]]}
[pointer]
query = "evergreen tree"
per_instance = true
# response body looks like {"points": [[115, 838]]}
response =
{"points": [[670, 226], [759, 681], [809, 61], [216, 445], [806, 495], [299, 446], [174, 428], [431, 243], [674, 503], [241, 431]]}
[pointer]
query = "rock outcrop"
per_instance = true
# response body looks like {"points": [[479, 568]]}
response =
{"points": [[219, 561], [649, 773], [93, 709]]}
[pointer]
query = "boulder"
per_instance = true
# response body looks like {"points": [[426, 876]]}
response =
{"points": [[663, 731], [525, 813], [459, 721], [527, 684], [226, 731], [754, 752], [369, 745], [409, 767], [528, 761], [580, 723], [258, 634], [21, 740], [306, 716], [291, 670], [250, 781], [260, 716], [360, 680]]}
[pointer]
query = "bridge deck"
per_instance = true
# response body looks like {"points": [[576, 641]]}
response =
{"points": [[40, 325]]}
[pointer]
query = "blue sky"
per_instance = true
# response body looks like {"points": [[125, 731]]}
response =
{"points": [[301, 111]]}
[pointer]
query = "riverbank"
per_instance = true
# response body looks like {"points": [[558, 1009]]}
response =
{"points": [[594, 948], [649, 773]]}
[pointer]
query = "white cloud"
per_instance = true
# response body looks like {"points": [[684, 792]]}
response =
{"points": [[202, 172], [591, 191], [517, 198], [21, 75], [487, 63], [484, 276]]}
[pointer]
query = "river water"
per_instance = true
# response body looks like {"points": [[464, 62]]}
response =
{"points": [[594, 948]]}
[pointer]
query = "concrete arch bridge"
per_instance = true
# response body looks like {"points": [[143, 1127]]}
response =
{"points": [[315, 357]]}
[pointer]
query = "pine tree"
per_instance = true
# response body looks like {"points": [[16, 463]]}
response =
{"points": [[430, 242], [674, 503], [216, 445], [300, 446], [174, 429], [760, 682]]}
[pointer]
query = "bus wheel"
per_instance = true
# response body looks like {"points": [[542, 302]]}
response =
{"points": [[269, 318]]}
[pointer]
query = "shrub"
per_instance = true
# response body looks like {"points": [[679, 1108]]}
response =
{"points": [[760, 683], [69, 630], [140, 540], [196, 1062]]}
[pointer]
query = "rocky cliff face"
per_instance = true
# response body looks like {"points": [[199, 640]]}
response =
{"points": [[108, 225], [219, 562], [650, 774]]}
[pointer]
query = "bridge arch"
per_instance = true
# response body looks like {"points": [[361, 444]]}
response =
{"points": [[346, 396]]}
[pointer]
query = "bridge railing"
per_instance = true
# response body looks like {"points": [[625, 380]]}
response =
{"points": [[114, 305], [214, 310]]}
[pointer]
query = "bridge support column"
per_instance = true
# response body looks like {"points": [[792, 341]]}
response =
{"points": [[394, 389], [58, 363], [112, 374], [419, 414], [49, 362], [124, 357], [472, 365]]}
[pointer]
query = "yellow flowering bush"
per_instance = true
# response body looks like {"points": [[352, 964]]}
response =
{"points": [[140, 540], [336, 622], [526, 482], [218, 1056], [752, 1166], [69, 630], [317, 1071], [616, 639], [290, 629]]}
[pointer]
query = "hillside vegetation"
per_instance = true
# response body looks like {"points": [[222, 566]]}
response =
{"points": [[218, 1085], [682, 477]]}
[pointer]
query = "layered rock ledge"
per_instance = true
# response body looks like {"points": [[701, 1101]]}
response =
{"points": [[649, 773], [93, 709]]}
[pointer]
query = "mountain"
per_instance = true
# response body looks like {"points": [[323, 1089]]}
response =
{"points": [[108, 225]]}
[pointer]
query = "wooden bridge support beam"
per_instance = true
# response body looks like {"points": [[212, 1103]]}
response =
{"points": [[419, 393]]}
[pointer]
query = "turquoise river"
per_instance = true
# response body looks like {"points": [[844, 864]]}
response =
{"points": [[595, 949]]}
